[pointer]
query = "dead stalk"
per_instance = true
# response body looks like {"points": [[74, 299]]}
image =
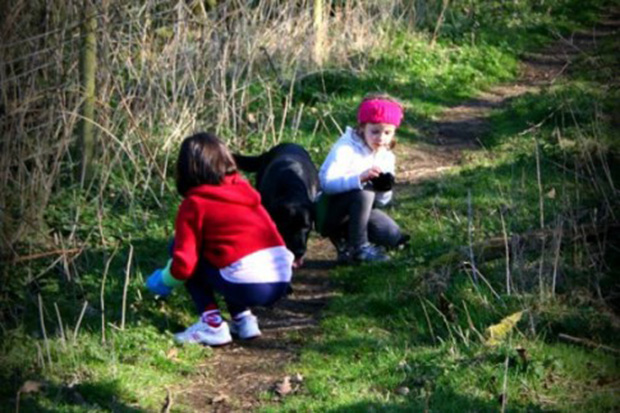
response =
{"points": [[40, 359], [79, 322], [541, 207], [588, 343], [102, 294], [488, 284], [428, 320], [126, 286], [556, 261], [42, 320], [471, 323], [443, 317], [60, 325], [507, 248], [439, 22], [540, 188], [470, 237]]}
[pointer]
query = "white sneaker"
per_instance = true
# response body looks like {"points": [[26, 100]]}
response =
{"points": [[246, 327], [203, 333]]}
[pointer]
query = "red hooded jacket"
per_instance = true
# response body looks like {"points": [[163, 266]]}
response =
{"points": [[222, 222]]}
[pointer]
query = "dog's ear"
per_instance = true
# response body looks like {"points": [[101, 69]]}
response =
{"points": [[248, 163]]}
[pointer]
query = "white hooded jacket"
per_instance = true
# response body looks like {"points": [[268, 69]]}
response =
{"points": [[347, 160]]}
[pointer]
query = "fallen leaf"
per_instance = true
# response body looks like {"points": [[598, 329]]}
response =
{"points": [[402, 390], [498, 332], [297, 378], [172, 354], [220, 398], [31, 386], [284, 387], [404, 365]]}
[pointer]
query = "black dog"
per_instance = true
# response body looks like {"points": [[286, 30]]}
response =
{"points": [[288, 182]]}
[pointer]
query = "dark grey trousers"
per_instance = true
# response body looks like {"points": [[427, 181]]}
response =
{"points": [[351, 217]]}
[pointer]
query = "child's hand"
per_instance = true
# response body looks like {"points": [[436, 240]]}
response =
{"points": [[370, 174], [155, 284]]}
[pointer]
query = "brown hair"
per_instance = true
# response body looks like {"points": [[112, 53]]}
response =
{"points": [[203, 160], [371, 96]]}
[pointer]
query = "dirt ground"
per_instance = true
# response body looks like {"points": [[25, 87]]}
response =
{"points": [[237, 376]]}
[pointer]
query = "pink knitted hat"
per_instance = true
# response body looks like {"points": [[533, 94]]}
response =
{"points": [[380, 111]]}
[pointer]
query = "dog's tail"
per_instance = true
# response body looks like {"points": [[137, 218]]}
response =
{"points": [[248, 163]]}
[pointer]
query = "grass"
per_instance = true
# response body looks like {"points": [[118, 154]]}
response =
{"points": [[410, 335], [404, 336], [82, 374]]}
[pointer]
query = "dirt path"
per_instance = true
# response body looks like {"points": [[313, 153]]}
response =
{"points": [[237, 375]]}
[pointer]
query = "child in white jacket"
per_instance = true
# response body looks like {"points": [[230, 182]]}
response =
{"points": [[357, 176]]}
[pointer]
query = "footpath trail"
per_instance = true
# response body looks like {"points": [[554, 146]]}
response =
{"points": [[237, 377]]}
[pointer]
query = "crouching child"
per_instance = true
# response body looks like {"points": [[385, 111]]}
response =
{"points": [[225, 242]]}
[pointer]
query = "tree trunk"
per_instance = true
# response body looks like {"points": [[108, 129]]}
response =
{"points": [[88, 64]]}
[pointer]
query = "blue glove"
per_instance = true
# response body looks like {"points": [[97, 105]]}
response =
{"points": [[155, 283]]}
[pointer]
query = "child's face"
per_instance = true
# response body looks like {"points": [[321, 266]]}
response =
{"points": [[378, 135]]}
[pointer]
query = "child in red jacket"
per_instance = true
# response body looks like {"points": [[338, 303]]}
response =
{"points": [[225, 241]]}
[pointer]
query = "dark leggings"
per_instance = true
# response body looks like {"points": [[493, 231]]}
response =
{"points": [[238, 296], [351, 216]]}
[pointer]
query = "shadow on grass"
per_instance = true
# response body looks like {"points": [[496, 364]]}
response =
{"points": [[441, 400], [86, 396]]}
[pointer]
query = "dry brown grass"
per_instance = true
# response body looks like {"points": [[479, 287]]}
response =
{"points": [[165, 69]]}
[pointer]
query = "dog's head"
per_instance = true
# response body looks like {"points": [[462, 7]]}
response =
{"points": [[294, 221]]}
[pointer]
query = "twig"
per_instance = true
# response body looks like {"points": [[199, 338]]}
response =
{"points": [[541, 206], [505, 233], [272, 66], [125, 286], [588, 343], [79, 322], [556, 262], [45, 254], [485, 281], [47, 344], [168, 402], [542, 122]]}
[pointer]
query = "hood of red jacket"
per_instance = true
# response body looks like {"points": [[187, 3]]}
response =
{"points": [[233, 189]]}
